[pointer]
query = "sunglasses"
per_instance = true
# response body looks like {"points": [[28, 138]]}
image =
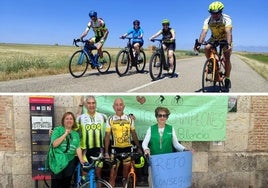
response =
{"points": [[162, 115], [164, 24]]}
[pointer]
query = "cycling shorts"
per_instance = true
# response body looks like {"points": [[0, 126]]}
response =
{"points": [[170, 46], [140, 42], [124, 150], [94, 152], [97, 39], [216, 43]]}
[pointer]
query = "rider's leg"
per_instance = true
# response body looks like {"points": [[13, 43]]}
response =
{"points": [[113, 174], [137, 48], [228, 67], [126, 169], [208, 50]]}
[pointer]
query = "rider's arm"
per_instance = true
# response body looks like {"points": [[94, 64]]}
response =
{"points": [[86, 31], [156, 35], [229, 36], [173, 37]]}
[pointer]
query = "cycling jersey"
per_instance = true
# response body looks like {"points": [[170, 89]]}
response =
{"points": [[120, 127], [167, 34], [98, 27], [92, 130], [217, 27], [135, 34]]}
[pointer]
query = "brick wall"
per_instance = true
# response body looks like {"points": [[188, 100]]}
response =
{"points": [[7, 141], [258, 135]]}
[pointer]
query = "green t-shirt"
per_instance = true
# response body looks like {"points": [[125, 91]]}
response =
{"points": [[73, 139]]}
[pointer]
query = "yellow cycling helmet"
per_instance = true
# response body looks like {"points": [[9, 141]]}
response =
{"points": [[215, 7], [165, 21], [139, 163]]}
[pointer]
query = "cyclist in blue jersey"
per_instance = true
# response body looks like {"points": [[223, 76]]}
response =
{"points": [[137, 35]]}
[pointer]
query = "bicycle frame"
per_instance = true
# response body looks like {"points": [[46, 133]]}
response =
{"points": [[161, 51], [130, 49]]}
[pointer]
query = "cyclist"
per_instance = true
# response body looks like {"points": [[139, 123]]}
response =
{"points": [[91, 126], [169, 43], [100, 30], [137, 35], [221, 30], [120, 127]]}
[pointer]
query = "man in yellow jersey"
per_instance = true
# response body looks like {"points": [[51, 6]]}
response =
{"points": [[120, 127], [91, 126], [100, 30], [221, 30]]}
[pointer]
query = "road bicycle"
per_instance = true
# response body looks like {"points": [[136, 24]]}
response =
{"points": [[126, 59], [90, 181], [214, 68], [131, 177], [80, 59], [158, 61]]}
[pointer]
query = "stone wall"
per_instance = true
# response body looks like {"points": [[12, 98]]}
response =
{"points": [[240, 161]]}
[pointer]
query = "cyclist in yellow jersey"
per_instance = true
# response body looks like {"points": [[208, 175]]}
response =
{"points": [[221, 30], [100, 30], [91, 126], [120, 127]]}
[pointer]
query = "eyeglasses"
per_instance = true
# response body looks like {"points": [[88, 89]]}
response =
{"points": [[162, 115]]}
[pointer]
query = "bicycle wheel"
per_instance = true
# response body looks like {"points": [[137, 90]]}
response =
{"points": [[78, 64], [208, 76], [155, 66], [130, 182], [141, 63], [122, 62], [106, 63], [103, 183]]}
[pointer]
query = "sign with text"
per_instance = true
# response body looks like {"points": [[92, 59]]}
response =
{"points": [[41, 119], [194, 118], [172, 170]]}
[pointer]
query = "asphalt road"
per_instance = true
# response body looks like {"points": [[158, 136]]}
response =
{"points": [[187, 79]]}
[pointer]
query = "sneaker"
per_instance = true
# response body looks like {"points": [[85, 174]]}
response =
{"points": [[100, 66], [227, 83], [170, 71]]}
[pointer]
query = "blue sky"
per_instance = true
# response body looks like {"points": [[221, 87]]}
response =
{"points": [[60, 21]]}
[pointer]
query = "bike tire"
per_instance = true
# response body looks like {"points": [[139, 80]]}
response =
{"points": [[122, 62], [155, 66], [130, 182], [208, 76], [106, 64], [103, 183], [141, 65], [78, 63]]}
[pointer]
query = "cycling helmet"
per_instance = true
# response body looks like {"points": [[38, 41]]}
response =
{"points": [[139, 163], [165, 21], [92, 13], [136, 22], [215, 7]]}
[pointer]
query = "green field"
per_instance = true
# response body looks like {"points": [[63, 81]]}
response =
{"points": [[19, 61], [257, 61]]}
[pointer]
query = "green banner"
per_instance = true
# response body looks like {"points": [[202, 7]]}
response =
{"points": [[195, 118]]}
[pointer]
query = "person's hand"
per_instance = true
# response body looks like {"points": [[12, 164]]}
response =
{"points": [[122, 37], [132, 116], [147, 152], [50, 132]]}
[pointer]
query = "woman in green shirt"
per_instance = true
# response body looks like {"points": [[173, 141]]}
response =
{"points": [[65, 139]]}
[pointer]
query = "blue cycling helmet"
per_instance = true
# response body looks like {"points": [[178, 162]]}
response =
{"points": [[92, 13]]}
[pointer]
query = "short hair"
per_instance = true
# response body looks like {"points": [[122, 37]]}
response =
{"points": [[158, 109]]}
